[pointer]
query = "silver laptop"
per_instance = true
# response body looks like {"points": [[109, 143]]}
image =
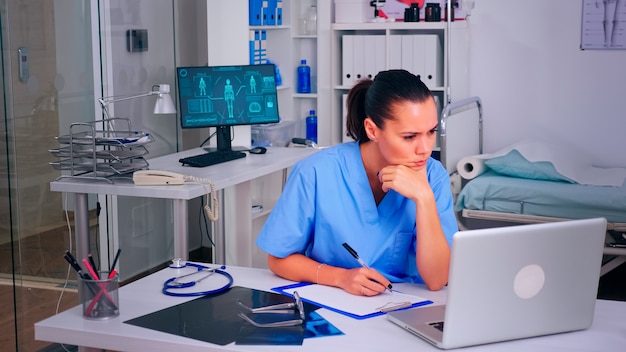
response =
{"points": [[514, 282]]}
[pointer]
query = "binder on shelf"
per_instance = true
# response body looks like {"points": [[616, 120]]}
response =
{"points": [[264, 9], [263, 48], [254, 12], [270, 19], [252, 45], [369, 58], [357, 307], [358, 57], [395, 52], [258, 46], [419, 55], [279, 12], [433, 63], [407, 53], [380, 59], [347, 61]]}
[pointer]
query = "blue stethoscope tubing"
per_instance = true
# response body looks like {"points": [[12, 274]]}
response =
{"points": [[167, 285]]}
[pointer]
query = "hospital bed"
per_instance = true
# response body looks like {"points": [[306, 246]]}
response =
{"points": [[489, 198]]}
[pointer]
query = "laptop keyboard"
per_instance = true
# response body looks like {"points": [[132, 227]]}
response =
{"points": [[437, 325]]}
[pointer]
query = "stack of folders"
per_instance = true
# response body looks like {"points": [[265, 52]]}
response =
{"points": [[265, 12], [364, 55], [258, 47]]}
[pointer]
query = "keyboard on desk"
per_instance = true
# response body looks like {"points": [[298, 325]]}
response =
{"points": [[212, 158]]}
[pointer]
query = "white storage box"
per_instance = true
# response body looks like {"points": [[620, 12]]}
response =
{"points": [[273, 135], [353, 11]]}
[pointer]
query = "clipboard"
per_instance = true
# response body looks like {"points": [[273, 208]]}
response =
{"points": [[339, 301]]}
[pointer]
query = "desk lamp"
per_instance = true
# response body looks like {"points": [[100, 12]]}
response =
{"points": [[163, 105]]}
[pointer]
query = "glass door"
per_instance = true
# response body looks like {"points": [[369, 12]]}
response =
{"points": [[48, 76]]}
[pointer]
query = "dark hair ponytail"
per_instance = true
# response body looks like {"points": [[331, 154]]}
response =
{"points": [[355, 105], [374, 99]]}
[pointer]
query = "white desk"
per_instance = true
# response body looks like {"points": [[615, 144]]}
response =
{"points": [[236, 173], [141, 297]]}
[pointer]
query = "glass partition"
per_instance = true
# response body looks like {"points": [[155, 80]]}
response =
{"points": [[58, 58]]}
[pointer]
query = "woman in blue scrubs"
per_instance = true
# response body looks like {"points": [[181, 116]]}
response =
{"points": [[382, 194]]}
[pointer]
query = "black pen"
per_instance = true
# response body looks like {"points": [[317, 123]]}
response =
{"points": [[70, 259], [117, 257], [356, 256]]}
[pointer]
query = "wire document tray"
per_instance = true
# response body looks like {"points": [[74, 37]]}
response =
{"points": [[98, 154]]}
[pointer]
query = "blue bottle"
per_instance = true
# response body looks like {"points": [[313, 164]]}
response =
{"points": [[304, 77], [311, 126]]}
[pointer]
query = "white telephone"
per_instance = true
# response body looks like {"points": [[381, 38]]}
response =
{"points": [[157, 177], [163, 178]]}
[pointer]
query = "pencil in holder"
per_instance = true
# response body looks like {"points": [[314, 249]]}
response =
{"points": [[100, 298]]}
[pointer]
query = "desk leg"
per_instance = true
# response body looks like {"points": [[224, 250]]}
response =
{"points": [[81, 226], [81, 229], [181, 233]]}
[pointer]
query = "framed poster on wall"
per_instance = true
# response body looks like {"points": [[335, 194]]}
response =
{"points": [[603, 25]]}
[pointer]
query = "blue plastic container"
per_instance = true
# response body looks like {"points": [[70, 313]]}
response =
{"points": [[304, 77], [279, 78]]}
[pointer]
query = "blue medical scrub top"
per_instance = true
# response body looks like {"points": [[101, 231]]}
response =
{"points": [[327, 201]]}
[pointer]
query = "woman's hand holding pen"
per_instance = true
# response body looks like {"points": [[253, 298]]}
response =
{"points": [[363, 282]]}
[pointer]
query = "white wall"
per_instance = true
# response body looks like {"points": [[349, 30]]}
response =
{"points": [[142, 227], [131, 73], [534, 81]]}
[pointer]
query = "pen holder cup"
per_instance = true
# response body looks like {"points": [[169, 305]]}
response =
{"points": [[100, 298]]}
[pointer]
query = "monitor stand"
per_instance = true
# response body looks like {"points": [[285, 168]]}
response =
{"points": [[236, 148], [222, 133]]}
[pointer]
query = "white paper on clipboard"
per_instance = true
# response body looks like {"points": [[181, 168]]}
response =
{"points": [[356, 306]]}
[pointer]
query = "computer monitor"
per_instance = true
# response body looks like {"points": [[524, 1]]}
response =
{"points": [[226, 96]]}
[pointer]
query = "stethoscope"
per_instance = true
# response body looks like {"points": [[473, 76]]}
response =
{"points": [[174, 283]]}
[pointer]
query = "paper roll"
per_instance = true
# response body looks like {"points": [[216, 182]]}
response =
{"points": [[471, 166]]}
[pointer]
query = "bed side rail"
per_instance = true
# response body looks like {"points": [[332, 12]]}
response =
{"points": [[460, 131]]}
